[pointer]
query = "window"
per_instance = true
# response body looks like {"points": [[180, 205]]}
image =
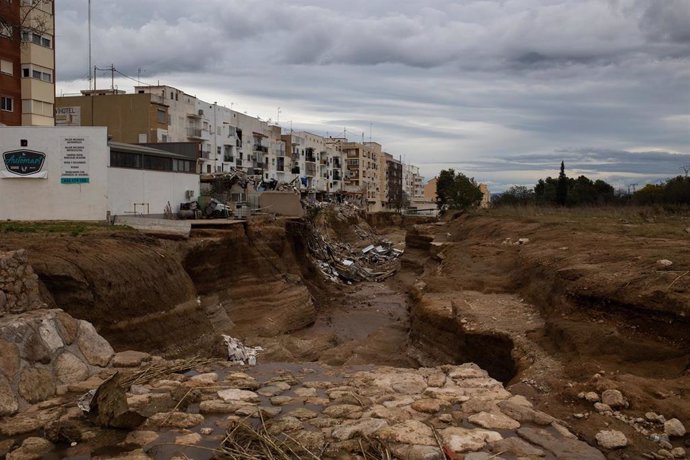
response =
{"points": [[6, 104], [37, 38], [6, 67], [5, 30], [160, 115], [125, 160], [39, 73]]}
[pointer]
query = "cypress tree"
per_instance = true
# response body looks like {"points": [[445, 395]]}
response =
{"points": [[562, 187]]}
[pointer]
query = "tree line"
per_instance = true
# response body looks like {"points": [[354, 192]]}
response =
{"points": [[582, 191]]}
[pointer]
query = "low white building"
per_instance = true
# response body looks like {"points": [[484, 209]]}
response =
{"points": [[61, 173]]}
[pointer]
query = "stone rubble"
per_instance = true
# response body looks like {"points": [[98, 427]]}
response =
{"points": [[409, 411], [19, 291]]}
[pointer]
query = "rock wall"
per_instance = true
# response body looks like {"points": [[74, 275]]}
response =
{"points": [[19, 289], [132, 288], [252, 271], [42, 352]]}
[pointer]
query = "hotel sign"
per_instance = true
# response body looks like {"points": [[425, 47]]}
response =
{"points": [[24, 163]]}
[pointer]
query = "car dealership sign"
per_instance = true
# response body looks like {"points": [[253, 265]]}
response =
{"points": [[24, 163]]}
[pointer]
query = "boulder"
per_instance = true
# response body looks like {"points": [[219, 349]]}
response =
{"points": [[8, 402], [611, 439], [674, 428], [95, 348], [233, 395], [358, 428], [613, 398], [460, 439], [70, 369], [494, 421], [31, 449], [9, 358], [130, 358], [408, 432], [36, 384]]}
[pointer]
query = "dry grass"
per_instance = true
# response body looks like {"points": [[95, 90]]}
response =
{"points": [[159, 370], [246, 442], [644, 221]]}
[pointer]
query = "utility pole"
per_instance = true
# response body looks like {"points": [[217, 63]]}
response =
{"points": [[112, 77], [90, 50], [215, 139], [634, 187]]}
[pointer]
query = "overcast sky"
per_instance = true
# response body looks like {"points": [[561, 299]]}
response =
{"points": [[502, 90]]}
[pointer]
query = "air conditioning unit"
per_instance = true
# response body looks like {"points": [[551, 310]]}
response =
{"points": [[189, 194]]}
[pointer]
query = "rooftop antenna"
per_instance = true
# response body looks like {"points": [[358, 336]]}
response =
{"points": [[278, 118], [371, 129], [90, 82]]}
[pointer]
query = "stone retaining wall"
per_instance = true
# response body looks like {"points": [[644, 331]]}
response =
{"points": [[19, 290], [42, 352]]}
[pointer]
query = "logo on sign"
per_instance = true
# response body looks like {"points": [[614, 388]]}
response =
{"points": [[24, 162]]}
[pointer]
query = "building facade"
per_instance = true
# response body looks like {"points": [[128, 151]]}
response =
{"points": [[74, 173], [129, 118], [27, 63]]}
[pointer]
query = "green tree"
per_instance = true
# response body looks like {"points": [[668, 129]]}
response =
{"points": [[516, 195], [562, 187], [456, 191]]}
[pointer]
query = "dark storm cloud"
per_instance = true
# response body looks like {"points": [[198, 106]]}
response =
{"points": [[483, 82]]}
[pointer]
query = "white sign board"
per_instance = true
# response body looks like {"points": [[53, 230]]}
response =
{"points": [[68, 116], [75, 161]]}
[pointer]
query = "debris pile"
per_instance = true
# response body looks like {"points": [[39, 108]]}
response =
{"points": [[365, 257], [240, 354]]}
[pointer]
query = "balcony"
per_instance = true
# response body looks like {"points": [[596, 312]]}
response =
{"points": [[261, 148], [205, 154], [310, 169], [336, 175], [295, 170], [238, 162], [198, 133]]}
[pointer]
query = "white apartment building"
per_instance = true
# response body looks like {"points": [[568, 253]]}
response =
{"points": [[315, 161], [412, 182]]}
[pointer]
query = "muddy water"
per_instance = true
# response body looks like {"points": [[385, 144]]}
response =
{"points": [[370, 322]]}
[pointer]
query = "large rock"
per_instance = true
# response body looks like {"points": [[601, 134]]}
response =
{"points": [[36, 384], [563, 448], [233, 395], [611, 439], [31, 449], [408, 432], [8, 402], [68, 327], [95, 348], [516, 446], [460, 439], [49, 333], [613, 398], [358, 428], [130, 358], [674, 428], [494, 421], [9, 358], [33, 348], [70, 369]]}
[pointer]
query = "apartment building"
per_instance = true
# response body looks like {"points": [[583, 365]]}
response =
{"points": [[27, 62], [315, 161], [412, 182], [362, 172], [393, 183], [130, 118]]}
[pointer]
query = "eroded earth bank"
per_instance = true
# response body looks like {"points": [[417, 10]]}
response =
{"points": [[578, 339]]}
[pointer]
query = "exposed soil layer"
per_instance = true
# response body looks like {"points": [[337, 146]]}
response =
{"points": [[576, 308]]}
